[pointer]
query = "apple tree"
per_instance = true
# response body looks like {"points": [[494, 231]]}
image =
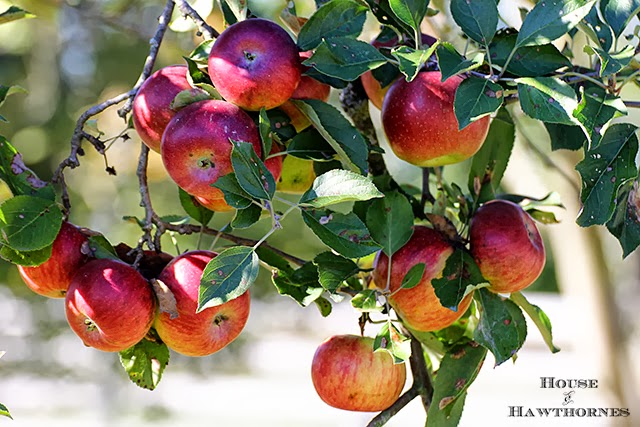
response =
{"points": [[436, 272]]}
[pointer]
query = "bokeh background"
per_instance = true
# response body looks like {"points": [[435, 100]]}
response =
{"points": [[77, 53]]}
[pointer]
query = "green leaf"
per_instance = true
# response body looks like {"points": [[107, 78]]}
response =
{"points": [[548, 99], [145, 362], [345, 58], [227, 276], [188, 97], [411, 12], [339, 185], [382, 11], [502, 328], [337, 18], [599, 32], [251, 173], [234, 194], [390, 339], [438, 418], [238, 8], [551, 19], [201, 53], [366, 301], [271, 258], [29, 223], [618, 13], [302, 284], [193, 208], [26, 258], [612, 63], [566, 137], [264, 125], [411, 61], [4, 411], [413, 276], [333, 270], [478, 19], [625, 222], [6, 91], [99, 247], [596, 109], [460, 277], [246, 217], [281, 127], [196, 75], [19, 178], [391, 221], [324, 306], [344, 233], [539, 317], [476, 98], [451, 63], [310, 145], [14, 13], [604, 168], [345, 139]]}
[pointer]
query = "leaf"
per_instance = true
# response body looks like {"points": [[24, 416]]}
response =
{"points": [[6, 91], [345, 58], [366, 301], [145, 363], [310, 145], [188, 97], [196, 75], [201, 53], [502, 328], [478, 19], [337, 18], [333, 270], [344, 233], [612, 63], [618, 13], [548, 99], [19, 178], [475, 98], [324, 305], [166, 300], [227, 276], [451, 63], [411, 60], [391, 221], [264, 125], [234, 194], [596, 109], [460, 277], [339, 185], [597, 30], [302, 284], [345, 139], [97, 246], [539, 317], [625, 222], [566, 137], [4, 411], [390, 339], [251, 173], [413, 276], [438, 418], [29, 223], [193, 208], [25, 258], [238, 8], [14, 13], [604, 168], [381, 9], [246, 217], [271, 258], [411, 12], [551, 19]]}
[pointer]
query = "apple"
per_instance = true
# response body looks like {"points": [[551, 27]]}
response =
{"points": [[506, 245], [196, 148], [203, 333], [255, 64], [151, 110], [421, 126], [52, 278], [419, 306], [348, 374], [109, 305], [297, 175]]}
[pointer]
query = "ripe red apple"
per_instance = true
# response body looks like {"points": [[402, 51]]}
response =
{"points": [[151, 110], [421, 126], [347, 374], [419, 306], [204, 333], [196, 148], [507, 246], [109, 305], [254, 64], [52, 278]]}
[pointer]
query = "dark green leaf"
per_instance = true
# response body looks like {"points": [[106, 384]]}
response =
{"points": [[596, 109], [201, 53], [99, 247], [548, 99], [618, 13], [539, 318], [302, 284], [478, 19], [29, 223], [382, 11], [604, 168], [612, 63], [264, 125], [475, 98], [227, 276], [246, 217], [145, 363], [452, 63], [238, 8], [333, 270], [460, 277], [324, 305], [625, 223], [338, 18], [234, 194], [4, 411], [345, 58], [14, 13], [366, 301], [338, 186], [196, 75], [251, 173], [438, 418], [413, 276], [19, 178], [391, 221], [411, 61], [390, 339], [566, 137], [193, 208], [280, 124], [597, 30], [26, 258], [411, 12], [188, 97], [271, 258], [310, 145]]}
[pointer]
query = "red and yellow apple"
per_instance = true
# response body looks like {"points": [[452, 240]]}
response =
{"points": [[348, 374], [255, 64], [109, 305], [203, 333], [421, 126], [52, 278], [419, 306], [297, 175], [151, 110], [506, 245]]}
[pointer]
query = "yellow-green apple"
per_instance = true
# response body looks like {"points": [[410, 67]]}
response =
{"points": [[348, 374], [297, 175], [420, 123], [196, 148], [52, 277], [506, 245], [419, 306], [203, 333], [255, 64], [109, 305], [151, 110]]}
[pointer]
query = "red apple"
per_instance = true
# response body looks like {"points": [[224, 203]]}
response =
{"points": [[203, 333], [347, 374], [421, 126], [196, 148], [255, 64], [419, 306], [507, 246], [151, 110], [52, 278], [109, 305]]}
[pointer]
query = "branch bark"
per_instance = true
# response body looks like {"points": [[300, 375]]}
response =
{"points": [[204, 28]]}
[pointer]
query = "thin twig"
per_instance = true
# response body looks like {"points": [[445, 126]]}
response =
{"points": [[145, 202], [426, 192], [204, 28]]}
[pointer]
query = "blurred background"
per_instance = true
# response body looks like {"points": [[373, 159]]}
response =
{"points": [[78, 53]]}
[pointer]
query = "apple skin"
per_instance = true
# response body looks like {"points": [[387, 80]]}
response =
{"points": [[196, 148], [52, 277], [421, 126], [255, 64], [419, 306], [151, 110], [109, 305], [204, 333], [297, 175], [506, 245], [347, 374]]}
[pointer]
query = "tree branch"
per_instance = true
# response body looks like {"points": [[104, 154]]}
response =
{"points": [[204, 28]]}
